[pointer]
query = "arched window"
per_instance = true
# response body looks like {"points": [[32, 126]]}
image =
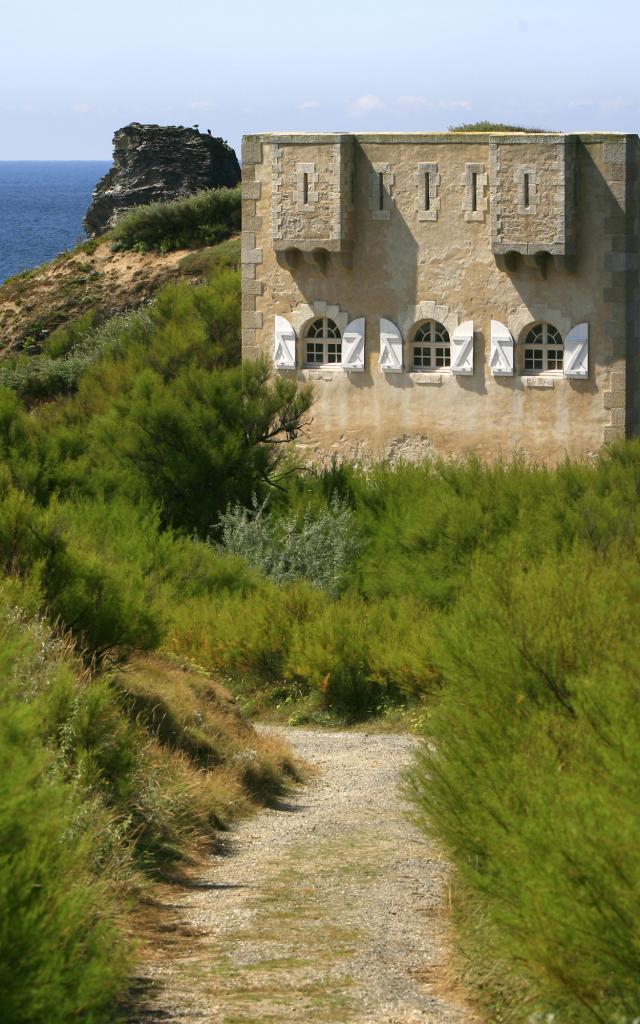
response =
{"points": [[323, 343], [543, 348], [431, 347]]}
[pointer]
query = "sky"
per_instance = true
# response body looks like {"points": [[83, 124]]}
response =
{"points": [[72, 72]]}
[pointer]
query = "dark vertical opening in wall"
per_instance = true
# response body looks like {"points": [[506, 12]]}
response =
{"points": [[526, 192], [305, 188], [474, 191], [380, 190], [427, 195]]}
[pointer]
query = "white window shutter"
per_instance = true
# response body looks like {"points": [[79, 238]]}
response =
{"points": [[390, 347], [462, 349], [576, 352], [285, 345], [353, 345], [501, 361]]}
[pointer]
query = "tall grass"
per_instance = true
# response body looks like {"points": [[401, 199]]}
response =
{"points": [[501, 601], [115, 763], [203, 219], [530, 779]]}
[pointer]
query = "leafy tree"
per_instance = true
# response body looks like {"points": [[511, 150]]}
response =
{"points": [[201, 441]]}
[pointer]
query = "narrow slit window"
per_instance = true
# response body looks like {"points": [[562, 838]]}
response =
{"points": [[474, 191], [526, 192], [305, 188], [427, 191], [380, 190]]}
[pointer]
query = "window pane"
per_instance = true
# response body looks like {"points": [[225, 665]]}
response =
{"points": [[314, 352], [315, 330], [333, 331], [421, 356], [424, 333], [441, 334], [533, 359]]}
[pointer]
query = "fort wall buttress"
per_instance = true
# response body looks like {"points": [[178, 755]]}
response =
{"points": [[447, 293]]}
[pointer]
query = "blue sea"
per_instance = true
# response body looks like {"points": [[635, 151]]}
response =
{"points": [[42, 203]]}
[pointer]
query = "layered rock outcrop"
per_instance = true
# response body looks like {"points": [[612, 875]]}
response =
{"points": [[153, 163]]}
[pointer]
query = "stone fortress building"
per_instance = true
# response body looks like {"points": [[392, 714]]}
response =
{"points": [[448, 292]]}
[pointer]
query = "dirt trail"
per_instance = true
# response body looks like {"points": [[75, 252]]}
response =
{"points": [[330, 908]]}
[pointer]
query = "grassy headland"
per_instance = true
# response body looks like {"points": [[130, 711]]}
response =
{"points": [[147, 554]]}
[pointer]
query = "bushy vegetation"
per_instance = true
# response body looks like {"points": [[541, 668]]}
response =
{"points": [[505, 598], [151, 521], [63, 955], [492, 126], [186, 324], [531, 776], [205, 218], [103, 776], [115, 762], [320, 548]]}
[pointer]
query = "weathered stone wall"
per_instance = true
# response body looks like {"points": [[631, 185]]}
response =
{"points": [[413, 258]]}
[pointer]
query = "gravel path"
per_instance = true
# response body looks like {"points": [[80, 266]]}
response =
{"points": [[330, 908]]}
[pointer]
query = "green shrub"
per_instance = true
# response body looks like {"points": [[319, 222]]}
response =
{"points": [[492, 126], [529, 776], [206, 218], [320, 548], [62, 955], [69, 335], [208, 261], [58, 372], [195, 443]]}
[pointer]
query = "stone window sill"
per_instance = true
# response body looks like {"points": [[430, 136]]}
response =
{"points": [[542, 379], [432, 377]]}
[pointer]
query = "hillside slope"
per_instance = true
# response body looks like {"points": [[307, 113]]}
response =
{"points": [[93, 276]]}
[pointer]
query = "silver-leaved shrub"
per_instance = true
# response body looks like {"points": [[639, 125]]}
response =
{"points": [[319, 546]]}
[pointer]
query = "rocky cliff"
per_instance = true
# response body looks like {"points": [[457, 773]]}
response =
{"points": [[154, 164]]}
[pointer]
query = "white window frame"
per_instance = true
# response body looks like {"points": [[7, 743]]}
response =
{"points": [[434, 341], [329, 340], [538, 348]]}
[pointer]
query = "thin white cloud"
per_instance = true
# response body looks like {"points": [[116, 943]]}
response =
{"points": [[309, 105], [611, 103], [412, 101], [429, 104], [202, 105], [82, 108], [365, 104], [580, 104]]}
